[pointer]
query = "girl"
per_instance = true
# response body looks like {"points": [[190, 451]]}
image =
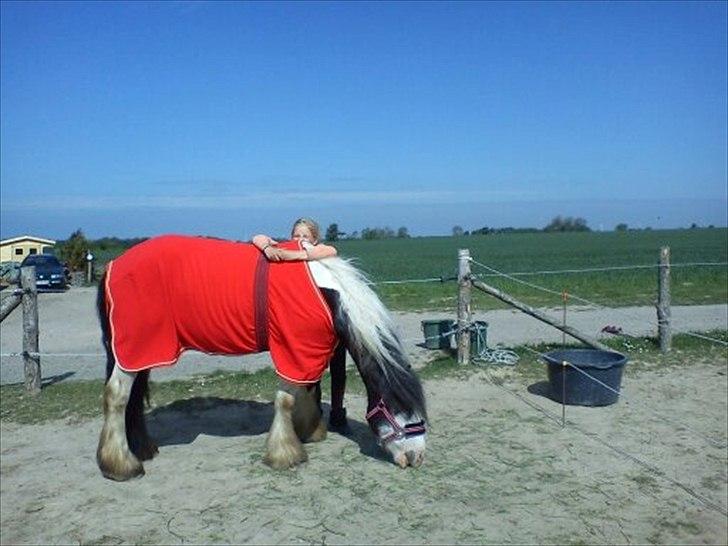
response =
{"points": [[304, 230], [307, 231]]}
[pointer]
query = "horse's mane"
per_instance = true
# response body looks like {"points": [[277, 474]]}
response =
{"points": [[372, 328], [370, 320]]}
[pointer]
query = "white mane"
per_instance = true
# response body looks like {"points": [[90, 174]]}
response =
{"points": [[369, 320]]}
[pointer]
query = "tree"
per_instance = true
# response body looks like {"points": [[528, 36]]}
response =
{"points": [[402, 233], [579, 224], [333, 233], [370, 234], [621, 227], [73, 251], [560, 223], [457, 231]]}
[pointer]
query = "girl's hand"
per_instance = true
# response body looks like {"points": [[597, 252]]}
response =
{"points": [[262, 241], [274, 254]]}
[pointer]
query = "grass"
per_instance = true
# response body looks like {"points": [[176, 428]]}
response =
{"points": [[75, 401], [436, 257]]}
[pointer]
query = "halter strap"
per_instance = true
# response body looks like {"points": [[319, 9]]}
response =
{"points": [[398, 432]]}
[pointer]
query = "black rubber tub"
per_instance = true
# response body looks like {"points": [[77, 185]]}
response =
{"points": [[580, 390]]}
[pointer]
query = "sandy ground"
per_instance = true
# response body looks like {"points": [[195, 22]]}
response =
{"points": [[500, 468]]}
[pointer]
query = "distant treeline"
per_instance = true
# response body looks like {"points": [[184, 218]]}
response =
{"points": [[73, 251], [559, 223], [111, 243]]}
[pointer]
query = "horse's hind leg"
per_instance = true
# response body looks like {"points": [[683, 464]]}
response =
{"points": [[137, 436], [113, 455], [307, 413], [283, 448]]}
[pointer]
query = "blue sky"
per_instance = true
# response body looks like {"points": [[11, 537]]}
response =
{"points": [[227, 119]]}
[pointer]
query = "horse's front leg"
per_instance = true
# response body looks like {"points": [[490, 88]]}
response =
{"points": [[113, 455], [307, 414], [283, 448], [141, 445]]}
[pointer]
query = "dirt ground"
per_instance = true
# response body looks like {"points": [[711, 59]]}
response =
{"points": [[499, 468]]}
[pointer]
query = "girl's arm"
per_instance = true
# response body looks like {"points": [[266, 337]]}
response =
{"points": [[318, 252], [321, 251]]}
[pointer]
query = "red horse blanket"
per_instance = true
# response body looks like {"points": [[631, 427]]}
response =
{"points": [[174, 293]]}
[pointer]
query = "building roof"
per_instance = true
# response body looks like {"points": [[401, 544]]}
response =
{"points": [[27, 238]]}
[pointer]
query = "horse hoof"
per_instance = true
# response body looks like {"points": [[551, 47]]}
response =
{"points": [[120, 469], [319, 433], [143, 448], [147, 451], [137, 473], [284, 459], [123, 474]]}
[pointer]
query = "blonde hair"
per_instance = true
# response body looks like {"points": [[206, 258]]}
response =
{"points": [[312, 226]]}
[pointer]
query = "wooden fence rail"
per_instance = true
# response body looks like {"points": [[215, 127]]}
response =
{"points": [[465, 282], [28, 297], [9, 303]]}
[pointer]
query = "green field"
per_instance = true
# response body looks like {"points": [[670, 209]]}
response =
{"points": [[435, 257], [427, 257]]}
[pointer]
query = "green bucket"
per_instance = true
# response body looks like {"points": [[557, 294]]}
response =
{"points": [[478, 337], [438, 333]]}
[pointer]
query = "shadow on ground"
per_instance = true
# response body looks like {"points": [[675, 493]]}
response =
{"points": [[543, 389], [182, 421]]}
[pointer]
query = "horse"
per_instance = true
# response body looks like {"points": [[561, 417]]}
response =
{"points": [[396, 408]]}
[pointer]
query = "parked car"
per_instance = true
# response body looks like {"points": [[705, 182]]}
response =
{"points": [[49, 272]]}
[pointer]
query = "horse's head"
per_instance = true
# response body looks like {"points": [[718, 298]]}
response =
{"points": [[402, 436], [397, 411]]}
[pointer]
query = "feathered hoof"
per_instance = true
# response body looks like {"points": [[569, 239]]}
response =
{"points": [[145, 449], [319, 433], [282, 456], [119, 469]]}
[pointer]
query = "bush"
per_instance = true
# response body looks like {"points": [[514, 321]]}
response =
{"points": [[73, 251]]}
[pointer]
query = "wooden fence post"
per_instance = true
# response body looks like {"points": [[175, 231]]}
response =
{"points": [[31, 357], [663, 301], [464, 311]]}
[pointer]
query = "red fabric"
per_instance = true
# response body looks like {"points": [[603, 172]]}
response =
{"points": [[174, 293]]}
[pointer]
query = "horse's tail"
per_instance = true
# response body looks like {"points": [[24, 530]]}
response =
{"points": [[103, 312], [372, 339]]}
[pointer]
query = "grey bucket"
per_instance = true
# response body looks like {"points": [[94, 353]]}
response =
{"points": [[580, 390], [438, 333]]}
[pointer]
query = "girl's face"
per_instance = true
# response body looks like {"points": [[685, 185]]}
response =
{"points": [[302, 232]]}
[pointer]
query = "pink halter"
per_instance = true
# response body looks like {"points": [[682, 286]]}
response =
{"points": [[398, 432]]}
